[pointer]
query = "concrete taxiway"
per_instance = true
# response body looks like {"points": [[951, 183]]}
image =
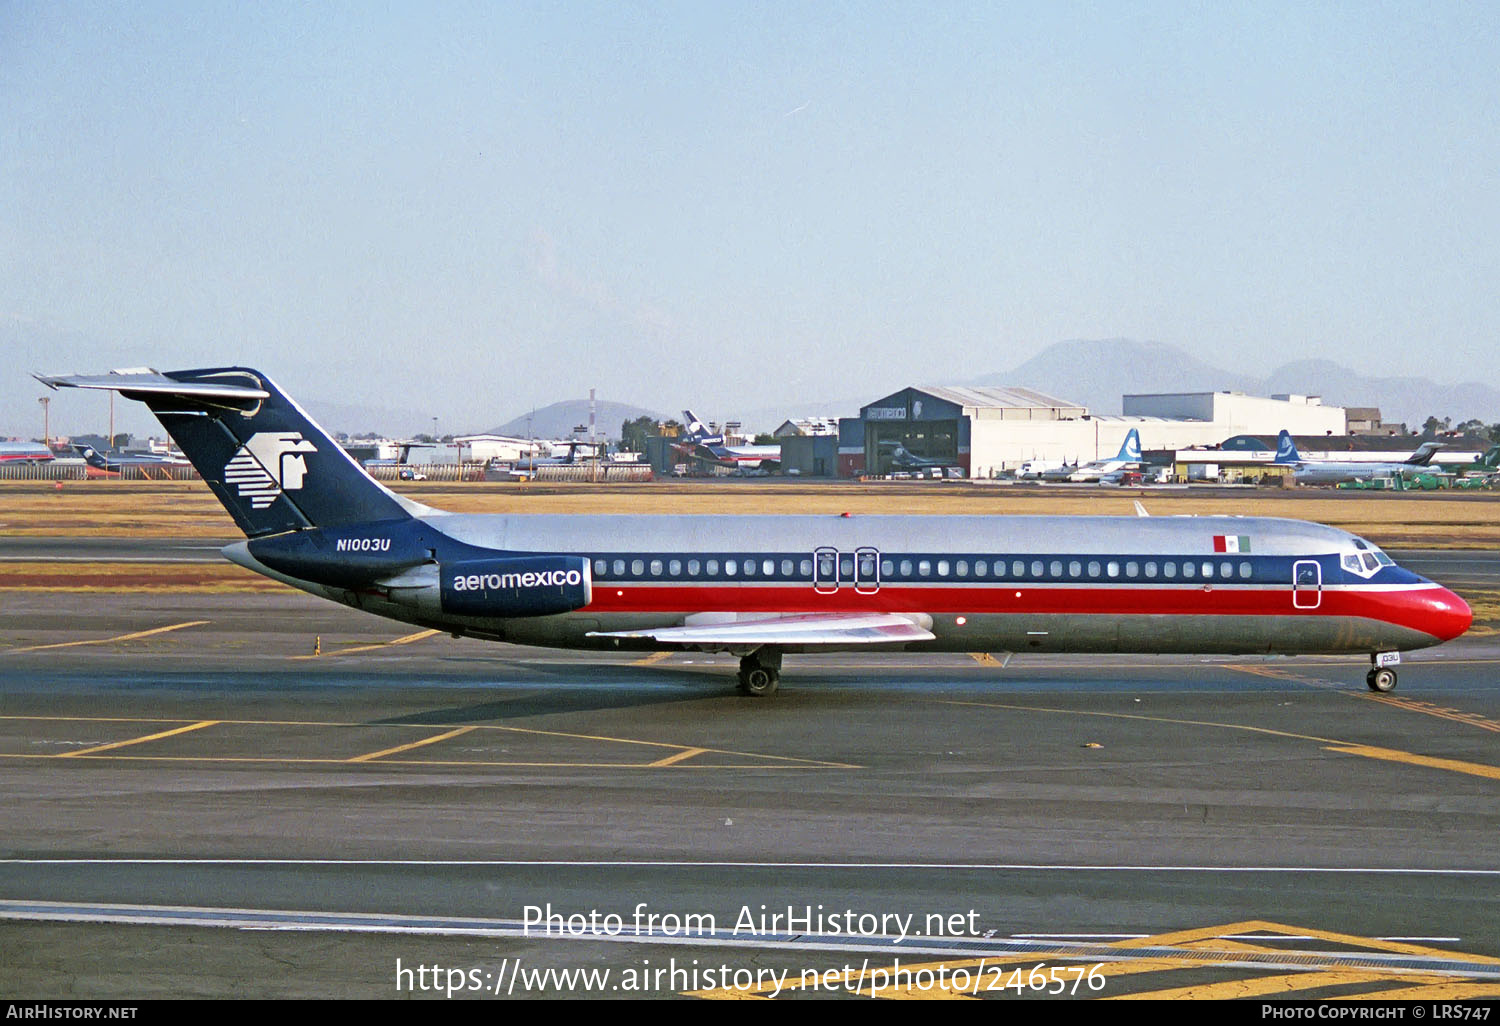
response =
{"points": [[268, 795]]}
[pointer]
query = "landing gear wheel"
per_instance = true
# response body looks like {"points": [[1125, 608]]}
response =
{"points": [[759, 682], [1381, 680], [760, 673]]}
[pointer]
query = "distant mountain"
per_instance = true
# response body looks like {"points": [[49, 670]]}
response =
{"points": [[1097, 373], [559, 419]]}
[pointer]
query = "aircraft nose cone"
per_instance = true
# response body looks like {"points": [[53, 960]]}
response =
{"points": [[1441, 613]]}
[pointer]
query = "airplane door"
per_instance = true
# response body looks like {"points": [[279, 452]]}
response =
{"points": [[826, 570], [866, 570], [1307, 584]]}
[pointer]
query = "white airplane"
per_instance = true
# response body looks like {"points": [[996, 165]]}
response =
{"points": [[762, 586], [1337, 471], [1128, 458]]}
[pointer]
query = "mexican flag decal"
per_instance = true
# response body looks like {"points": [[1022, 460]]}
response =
{"points": [[1231, 543]]}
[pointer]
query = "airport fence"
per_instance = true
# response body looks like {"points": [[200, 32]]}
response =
{"points": [[80, 471], [69, 470]]}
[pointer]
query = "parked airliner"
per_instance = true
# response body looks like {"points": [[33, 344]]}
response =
{"points": [[1337, 471], [762, 586], [699, 443]]}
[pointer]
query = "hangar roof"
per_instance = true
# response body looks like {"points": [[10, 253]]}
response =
{"points": [[993, 396]]}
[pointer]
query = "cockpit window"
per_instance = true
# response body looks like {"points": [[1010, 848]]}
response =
{"points": [[1371, 563], [1383, 559], [1351, 562]]}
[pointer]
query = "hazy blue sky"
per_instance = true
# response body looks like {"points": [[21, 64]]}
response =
{"points": [[470, 208]]}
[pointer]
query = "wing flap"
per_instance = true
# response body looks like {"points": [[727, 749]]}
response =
{"points": [[791, 629]]}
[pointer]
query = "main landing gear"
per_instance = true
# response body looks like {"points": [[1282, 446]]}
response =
{"points": [[760, 672]]}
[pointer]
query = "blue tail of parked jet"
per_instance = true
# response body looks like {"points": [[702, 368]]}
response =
{"points": [[694, 430], [1286, 449], [1130, 450], [269, 464]]}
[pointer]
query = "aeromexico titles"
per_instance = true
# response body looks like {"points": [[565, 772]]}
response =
{"points": [[762, 586]]}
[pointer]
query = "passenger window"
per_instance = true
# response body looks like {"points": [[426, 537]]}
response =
{"points": [[1226, 570], [674, 568], [768, 567], [619, 568], [1208, 569], [1055, 568], [1036, 568], [1246, 570], [906, 568], [637, 567], [1113, 568], [1094, 568], [867, 568], [1150, 568], [1188, 569], [693, 567], [1018, 569], [600, 568], [656, 568], [749, 566], [942, 568], [924, 567], [713, 568], [846, 568], [826, 566], [731, 567], [980, 568], [805, 568], [1132, 569], [1075, 569], [961, 568], [786, 568]]}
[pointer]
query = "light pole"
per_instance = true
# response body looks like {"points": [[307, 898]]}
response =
{"points": [[46, 402]]}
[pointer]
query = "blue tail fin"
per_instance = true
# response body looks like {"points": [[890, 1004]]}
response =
{"points": [[1130, 450], [91, 456], [269, 464], [1286, 449]]}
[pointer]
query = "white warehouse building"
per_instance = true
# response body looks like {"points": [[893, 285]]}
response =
{"points": [[987, 430]]}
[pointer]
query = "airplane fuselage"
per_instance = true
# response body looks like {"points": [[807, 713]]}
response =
{"points": [[1050, 584]]}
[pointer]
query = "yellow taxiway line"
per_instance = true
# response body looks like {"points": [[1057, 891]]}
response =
{"points": [[119, 637], [136, 740], [418, 636], [1473, 769], [371, 756]]}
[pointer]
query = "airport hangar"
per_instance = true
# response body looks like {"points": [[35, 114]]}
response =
{"points": [[986, 430]]}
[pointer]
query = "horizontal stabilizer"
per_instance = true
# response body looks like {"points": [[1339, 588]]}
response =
{"points": [[150, 382], [791, 629]]}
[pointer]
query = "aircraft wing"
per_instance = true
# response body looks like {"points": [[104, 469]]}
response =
{"points": [[814, 629]]}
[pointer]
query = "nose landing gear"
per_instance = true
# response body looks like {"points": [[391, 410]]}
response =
{"points": [[1382, 677], [760, 673]]}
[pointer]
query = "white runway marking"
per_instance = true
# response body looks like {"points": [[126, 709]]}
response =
{"points": [[677, 864]]}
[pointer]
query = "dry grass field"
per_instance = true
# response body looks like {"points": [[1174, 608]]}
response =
{"points": [[189, 510]]}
